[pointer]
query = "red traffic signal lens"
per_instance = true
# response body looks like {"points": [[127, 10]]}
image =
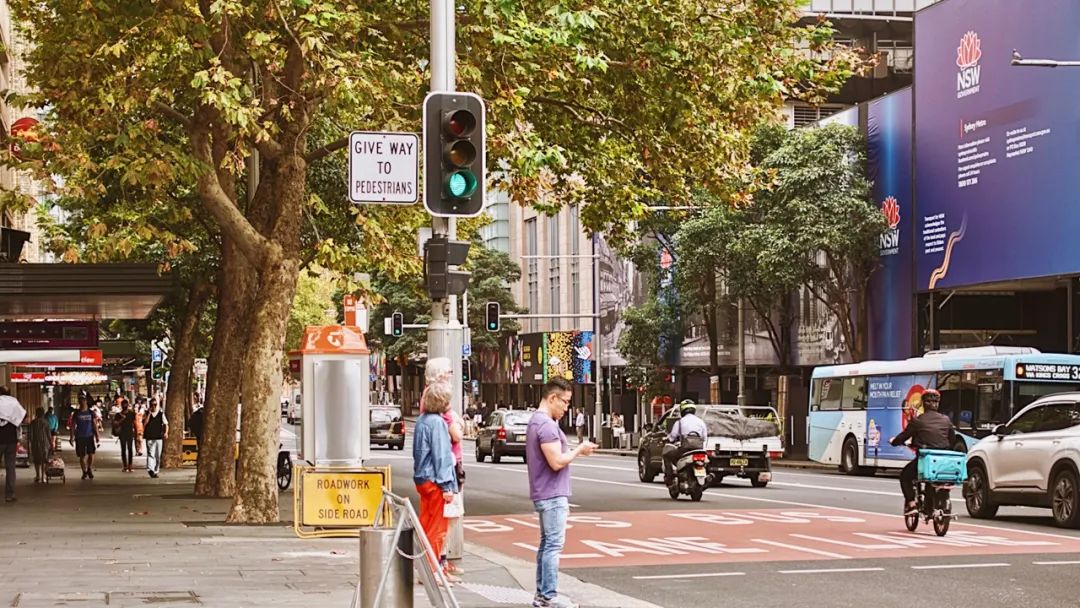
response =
{"points": [[461, 153], [460, 123]]}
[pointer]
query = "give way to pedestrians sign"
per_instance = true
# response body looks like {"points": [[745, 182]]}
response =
{"points": [[383, 167]]}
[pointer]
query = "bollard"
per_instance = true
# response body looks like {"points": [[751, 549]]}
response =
{"points": [[376, 547]]}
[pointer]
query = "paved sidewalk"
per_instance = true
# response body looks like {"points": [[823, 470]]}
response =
{"points": [[124, 539]]}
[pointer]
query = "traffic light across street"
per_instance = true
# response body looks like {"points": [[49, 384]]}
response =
{"points": [[454, 154], [492, 316]]}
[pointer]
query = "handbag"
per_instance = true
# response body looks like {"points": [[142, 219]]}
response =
{"points": [[454, 508]]}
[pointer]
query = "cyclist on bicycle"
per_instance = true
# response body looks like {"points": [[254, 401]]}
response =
{"points": [[932, 431]]}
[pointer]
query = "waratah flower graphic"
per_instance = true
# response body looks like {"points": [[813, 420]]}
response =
{"points": [[891, 209], [969, 52]]}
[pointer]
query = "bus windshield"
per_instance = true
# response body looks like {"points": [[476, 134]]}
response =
{"points": [[1023, 393]]}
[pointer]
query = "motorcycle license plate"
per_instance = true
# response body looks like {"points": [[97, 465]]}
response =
{"points": [[740, 462], [700, 475]]}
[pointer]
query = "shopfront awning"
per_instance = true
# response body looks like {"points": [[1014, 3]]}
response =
{"points": [[80, 291]]}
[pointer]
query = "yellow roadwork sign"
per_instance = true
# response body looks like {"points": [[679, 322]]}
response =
{"points": [[340, 499]]}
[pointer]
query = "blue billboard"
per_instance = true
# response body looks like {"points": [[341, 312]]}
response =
{"points": [[996, 144], [888, 143]]}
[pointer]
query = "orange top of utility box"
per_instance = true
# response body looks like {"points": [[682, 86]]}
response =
{"points": [[333, 340]]}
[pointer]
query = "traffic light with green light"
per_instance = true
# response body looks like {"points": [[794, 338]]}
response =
{"points": [[454, 154], [466, 370], [397, 325], [492, 316]]}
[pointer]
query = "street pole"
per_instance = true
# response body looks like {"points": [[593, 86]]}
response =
{"points": [[444, 330], [742, 353], [597, 342]]}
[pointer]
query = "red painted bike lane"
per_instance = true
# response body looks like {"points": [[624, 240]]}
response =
{"points": [[645, 538]]}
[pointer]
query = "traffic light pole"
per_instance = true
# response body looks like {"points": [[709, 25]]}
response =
{"points": [[444, 330]]}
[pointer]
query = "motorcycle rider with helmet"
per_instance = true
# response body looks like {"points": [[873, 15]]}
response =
{"points": [[932, 431], [688, 433]]}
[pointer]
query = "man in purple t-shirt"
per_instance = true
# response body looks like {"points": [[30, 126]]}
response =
{"points": [[549, 487]]}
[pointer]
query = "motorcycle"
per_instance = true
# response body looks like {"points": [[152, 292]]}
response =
{"points": [[691, 475], [932, 504], [284, 468]]}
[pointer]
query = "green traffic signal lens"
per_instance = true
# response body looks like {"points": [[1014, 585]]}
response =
{"points": [[461, 184]]}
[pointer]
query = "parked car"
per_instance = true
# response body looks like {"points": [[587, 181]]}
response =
{"points": [[1033, 460], [387, 426], [504, 435]]}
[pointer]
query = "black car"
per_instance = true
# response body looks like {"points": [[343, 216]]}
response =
{"points": [[504, 435], [387, 427]]}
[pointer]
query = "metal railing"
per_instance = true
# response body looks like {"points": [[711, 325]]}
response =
{"points": [[435, 583]]}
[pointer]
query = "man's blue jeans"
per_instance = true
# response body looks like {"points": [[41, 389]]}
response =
{"points": [[553, 513]]}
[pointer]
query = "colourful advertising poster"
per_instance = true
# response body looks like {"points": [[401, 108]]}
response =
{"points": [[583, 357], [892, 403], [558, 355], [532, 358]]}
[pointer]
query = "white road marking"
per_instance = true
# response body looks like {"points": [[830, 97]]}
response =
{"points": [[657, 577], [849, 490], [830, 570], [959, 566], [818, 506], [1064, 563], [798, 548]]}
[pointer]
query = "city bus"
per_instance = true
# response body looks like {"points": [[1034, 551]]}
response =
{"points": [[855, 409]]}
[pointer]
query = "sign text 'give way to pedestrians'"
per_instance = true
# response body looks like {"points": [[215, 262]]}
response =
{"points": [[383, 167]]}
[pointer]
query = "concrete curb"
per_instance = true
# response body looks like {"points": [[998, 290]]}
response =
{"points": [[587, 594]]}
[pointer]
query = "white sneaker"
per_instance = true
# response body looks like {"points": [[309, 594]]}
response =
{"points": [[559, 601]]}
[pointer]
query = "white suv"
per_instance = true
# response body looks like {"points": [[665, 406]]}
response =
{"points": [[1034, 460]]}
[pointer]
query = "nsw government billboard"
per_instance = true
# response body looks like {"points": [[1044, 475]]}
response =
{"points": [[996, 145]]}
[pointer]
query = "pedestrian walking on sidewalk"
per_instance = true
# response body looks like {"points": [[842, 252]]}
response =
{"points": [[140, 425], [126, 433], [579, 424], [40, 444], [84, 434], [12, 414], [54, 428], [155, 430], [548, 460], [433, 467]]}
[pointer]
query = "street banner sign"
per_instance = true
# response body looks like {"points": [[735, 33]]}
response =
{"points": [[384, 167]]}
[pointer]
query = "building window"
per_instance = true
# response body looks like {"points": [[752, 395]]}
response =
{"points": [[554, 270], [533, 274], [575, 250]]}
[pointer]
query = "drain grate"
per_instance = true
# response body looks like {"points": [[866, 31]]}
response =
{"points": [[500, 595]]}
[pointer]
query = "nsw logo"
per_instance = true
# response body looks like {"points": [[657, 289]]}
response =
{"points": [[967, 59], [890, 240]]}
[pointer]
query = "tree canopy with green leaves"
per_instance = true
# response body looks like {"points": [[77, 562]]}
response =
{"points": [[607, 103]]}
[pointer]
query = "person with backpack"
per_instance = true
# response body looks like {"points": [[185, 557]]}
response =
{"points": [[155, 430]]}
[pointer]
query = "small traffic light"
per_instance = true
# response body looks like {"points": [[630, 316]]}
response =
{"points": [[454, 144], [493, 311], [466, 370], [439, 255], [397, 327]]}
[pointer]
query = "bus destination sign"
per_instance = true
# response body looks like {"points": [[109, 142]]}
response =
{"points": [[1048, 371]]}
